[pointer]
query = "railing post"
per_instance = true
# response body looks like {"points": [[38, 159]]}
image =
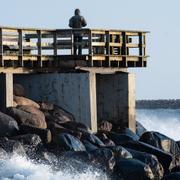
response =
{"points": [[108, 47], [72, 42], [55, 46], [90, 48], [1, 48], [140, 49], [39, 48], [124, 49], [20, 44]]}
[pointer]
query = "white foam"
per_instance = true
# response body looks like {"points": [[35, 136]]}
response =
{"points": [[165, 121], [19, 168]]}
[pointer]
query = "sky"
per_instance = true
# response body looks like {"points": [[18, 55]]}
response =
{"points": [[161, 78]]}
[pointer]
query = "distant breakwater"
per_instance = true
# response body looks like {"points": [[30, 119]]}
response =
{"points": [[158, 104]]}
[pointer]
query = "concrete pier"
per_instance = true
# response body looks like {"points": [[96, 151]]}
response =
{"points": [[89, 96]]}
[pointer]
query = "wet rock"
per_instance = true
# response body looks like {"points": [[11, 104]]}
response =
{"points": [[128, 132], [93, 139], [18, 90], [23, 117], [12, 146], [163, 142], [22, 101], [68, 142], [178, 143], [104, 126], [132, 169], [103, 137], [150, 160], [140, 129], [56, 129], [89, 146], [45, 134], [103, 156], [58, 115], [175, 169], [119, 139], [8, 126], [120, 152], [173, 176], [163, 157], [46, 106], [29, 139], [76, 126]]}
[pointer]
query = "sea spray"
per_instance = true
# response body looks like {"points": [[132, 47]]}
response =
{"points": [[16, 167], [165, 121]]}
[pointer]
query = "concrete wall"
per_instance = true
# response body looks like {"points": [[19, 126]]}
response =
{"points": [[116, 99], [75, 92]]}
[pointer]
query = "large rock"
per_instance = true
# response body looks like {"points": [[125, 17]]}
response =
{"points": [[163, 142], [120, 152], [132, 169], [18, 90], [118, 139], [8, 126], [173, 176], [57, 114], [22, 101], [68, 142], [150, 160], [12, 146], [164, 158], [105, 126], [45, 134], [140, 129], [23, 117], [103, 137]]}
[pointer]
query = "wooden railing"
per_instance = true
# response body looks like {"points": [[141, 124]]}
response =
{"points": [[28, 47]]}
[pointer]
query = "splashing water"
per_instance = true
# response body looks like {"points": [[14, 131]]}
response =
{"points": [[19, 168], [165, 121]]}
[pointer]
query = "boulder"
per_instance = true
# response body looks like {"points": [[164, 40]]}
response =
{"points": [[132, 169], [8, 126], [120, 152], [12, 146], [58, 115], [22, 101], [103, 137], [173, 176], [68, 142], [128, 132], [164, 143], [23, 117], [46, 106], [33, 110], [150, 160], [56, 129], [140, 129], [104, 126], [76, 126], [18, 90], [119, 139], [163, 157], [93, 139], [89, 146], [45, 134], [175, 169]]}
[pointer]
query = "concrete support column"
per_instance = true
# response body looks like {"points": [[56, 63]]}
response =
{"points": [[6, 91], [116, 99]]}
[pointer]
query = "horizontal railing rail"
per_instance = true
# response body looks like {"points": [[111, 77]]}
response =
{"points": [[21, 47]]}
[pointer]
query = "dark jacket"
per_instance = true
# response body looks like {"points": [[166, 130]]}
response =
{"points": [[77, 21]]}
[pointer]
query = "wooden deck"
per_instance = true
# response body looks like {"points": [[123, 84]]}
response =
{"points": [[30, 48]]}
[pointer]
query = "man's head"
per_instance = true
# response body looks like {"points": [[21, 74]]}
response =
{"points": [[77, 12]]}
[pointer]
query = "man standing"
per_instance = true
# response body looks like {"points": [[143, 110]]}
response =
{"points": [[77, 21]]}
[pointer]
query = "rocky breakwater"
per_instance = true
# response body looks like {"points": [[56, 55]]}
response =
{"points": [[49, 134]]}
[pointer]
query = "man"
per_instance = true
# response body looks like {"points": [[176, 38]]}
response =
{"points": [[77, 21]]}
